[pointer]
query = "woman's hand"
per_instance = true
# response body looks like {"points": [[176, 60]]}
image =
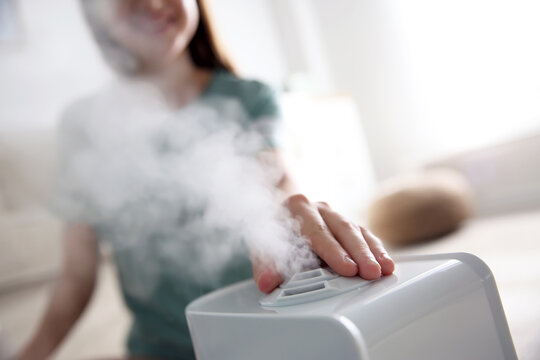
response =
{"points": [[347, 248]]}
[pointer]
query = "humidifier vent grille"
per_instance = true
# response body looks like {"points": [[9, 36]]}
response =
{"points": [[307, 275], [312, 285], [303, 289]]}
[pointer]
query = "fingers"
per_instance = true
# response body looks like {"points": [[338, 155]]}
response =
{"points": [[265, 275], [365, 248], [323, 242], [352, 239], [378, 250], [347, 248]]}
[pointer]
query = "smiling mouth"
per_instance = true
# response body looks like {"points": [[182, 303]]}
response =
{"points": [[153, 24]]}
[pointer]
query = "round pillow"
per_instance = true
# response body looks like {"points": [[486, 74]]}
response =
{"points": [[418, 207]]}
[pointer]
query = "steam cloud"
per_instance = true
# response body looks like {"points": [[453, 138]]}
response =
{"points": [[188, 180]]}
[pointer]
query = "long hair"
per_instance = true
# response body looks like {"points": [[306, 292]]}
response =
{"points": [[204, 48]]}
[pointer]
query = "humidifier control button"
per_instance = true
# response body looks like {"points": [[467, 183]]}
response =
{"points": [[309, 277], [311, 286]]}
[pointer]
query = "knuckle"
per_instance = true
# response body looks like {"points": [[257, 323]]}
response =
{"points": [[298, 199], [317, 231], [361, 228], [320, 228], [323, 204], [347, 225]]}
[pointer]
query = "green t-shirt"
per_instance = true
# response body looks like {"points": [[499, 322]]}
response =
{"points": [[158, 278]]}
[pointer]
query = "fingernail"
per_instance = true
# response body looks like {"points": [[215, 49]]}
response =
{"points": [[268, 280]]}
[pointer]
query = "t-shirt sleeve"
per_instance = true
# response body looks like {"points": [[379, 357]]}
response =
{"points": [[71, 201], [266, 116]]}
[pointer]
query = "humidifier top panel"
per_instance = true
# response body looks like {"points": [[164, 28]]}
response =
{"points": [[322, 291]]}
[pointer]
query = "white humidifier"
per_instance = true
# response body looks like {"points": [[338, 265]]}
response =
{"points": [[432, 307]]}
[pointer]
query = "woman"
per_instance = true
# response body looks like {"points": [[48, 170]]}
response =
{"points": [[168, 43]]}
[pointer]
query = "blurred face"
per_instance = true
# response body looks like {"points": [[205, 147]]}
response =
{"points": [[155, 31]]}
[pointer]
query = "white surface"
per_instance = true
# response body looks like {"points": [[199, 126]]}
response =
{"points": [[443, 307]]}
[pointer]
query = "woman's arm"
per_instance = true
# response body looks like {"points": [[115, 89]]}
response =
{"points": [[346, 247], [72, 294]]}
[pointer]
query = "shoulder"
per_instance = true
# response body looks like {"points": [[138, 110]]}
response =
{"points": [[258, 98]]}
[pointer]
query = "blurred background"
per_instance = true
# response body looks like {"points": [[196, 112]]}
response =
{"points": [[371, 90]]}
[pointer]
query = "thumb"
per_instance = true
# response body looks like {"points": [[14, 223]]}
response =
{"points": [[265, 275]]}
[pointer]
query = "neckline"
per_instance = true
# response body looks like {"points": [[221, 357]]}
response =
{"points": [[211, 83]]}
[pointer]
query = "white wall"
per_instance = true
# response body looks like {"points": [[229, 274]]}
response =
{"points": [[365, 57], [433, 78], [326, 151], [307, 64], [54, 63], [248, 31], [474, 69]]}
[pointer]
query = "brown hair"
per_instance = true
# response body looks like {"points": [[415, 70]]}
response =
{"points": [[204, 48]]}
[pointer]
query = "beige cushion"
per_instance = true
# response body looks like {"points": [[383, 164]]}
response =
{"points": [[26, 169], [29, 233], [30, 247], [418, 207]]}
